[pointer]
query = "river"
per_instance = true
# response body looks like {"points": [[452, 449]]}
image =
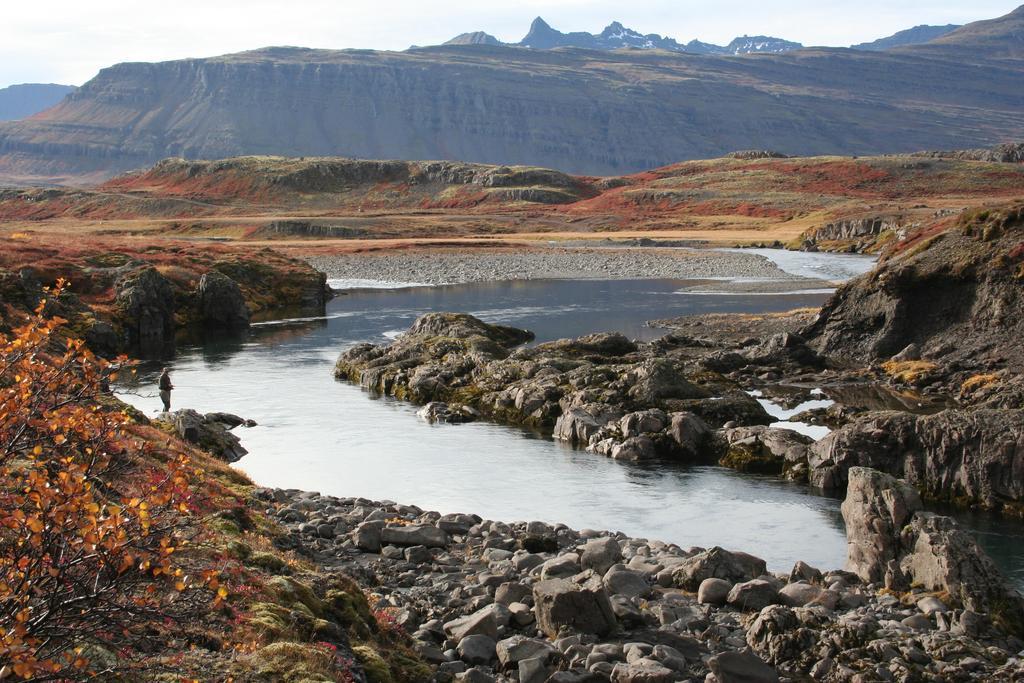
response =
{"points": [[316, 433]]}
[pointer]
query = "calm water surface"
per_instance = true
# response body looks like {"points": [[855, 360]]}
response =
{"points": [[316, 433]]}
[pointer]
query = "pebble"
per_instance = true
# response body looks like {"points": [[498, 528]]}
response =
{"points": [[449, 267]]}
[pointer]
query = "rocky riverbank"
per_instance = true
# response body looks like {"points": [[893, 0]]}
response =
{"points": [[138, 300], [450, 266], [530, 602]]}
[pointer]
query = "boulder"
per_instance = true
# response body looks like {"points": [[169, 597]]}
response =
{"points": [[891, 539], [690, 433], [635, 449], [940, 556], [476, 649], [642, 671], [534, 670], [229, 420], [600, 554], [366, 536], [876, 508], [804, 572], [801, 594], [510, 592], [717, 563], [513, 650], [580, 605], [752, 596], [414, 534], [777, 636], [560, 567], [438, 411], [621, 581], [210, 435], [577, 425], [741, 667], [713, 591], [221, 302], [456, 523], [478, 623], [643, 422]]}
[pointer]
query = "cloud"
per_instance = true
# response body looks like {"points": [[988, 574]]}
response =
{"points": [[68, 41]]}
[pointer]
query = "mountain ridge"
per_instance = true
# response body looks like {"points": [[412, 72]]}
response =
{"points": [[917, 35], [25, 99], [581, 111]]}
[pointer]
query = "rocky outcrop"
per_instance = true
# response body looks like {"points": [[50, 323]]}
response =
{"points": [[960, 456], [210, 432], [784, 351], [876, 509], [767, 451], [145, 302], [893, 542], [615, 397], [1006, 153], [952, 288], [123, 299], [221, 303], [851, 234], [751, 154]]}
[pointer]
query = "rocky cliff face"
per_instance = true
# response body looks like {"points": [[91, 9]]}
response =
{"points": [[578, 111], [952, 289], [959, 456], [851, 234]]}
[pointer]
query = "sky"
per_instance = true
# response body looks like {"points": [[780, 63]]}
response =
{"points": [[69, 41]]}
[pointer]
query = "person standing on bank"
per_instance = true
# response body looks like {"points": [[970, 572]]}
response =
{"points": [[165, 389]]}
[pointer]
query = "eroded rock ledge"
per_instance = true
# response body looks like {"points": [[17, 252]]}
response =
{"points": [[964, 456], [531, 601]]}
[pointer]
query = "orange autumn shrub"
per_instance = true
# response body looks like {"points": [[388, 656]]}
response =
{"points": [[92, 521]]}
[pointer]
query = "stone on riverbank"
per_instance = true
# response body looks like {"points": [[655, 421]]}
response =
{"points": [[717, 563], [579, 605], [207, 432], [429, 536], [845, 627]]}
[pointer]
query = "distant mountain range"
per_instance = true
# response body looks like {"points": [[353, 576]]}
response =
{"points": [[615, 36], [21, 101], [584, 111]]}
